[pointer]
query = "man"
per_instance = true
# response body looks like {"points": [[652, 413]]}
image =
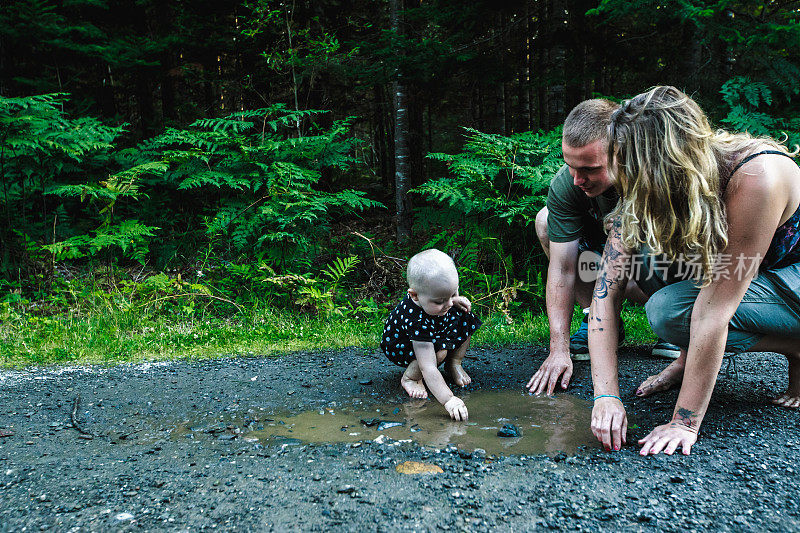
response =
{"points": [[571, 231]]}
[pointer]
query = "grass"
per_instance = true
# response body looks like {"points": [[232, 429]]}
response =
{"points": [[118, 335]]}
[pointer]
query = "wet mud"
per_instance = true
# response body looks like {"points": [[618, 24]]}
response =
{"points": [[189, 446]]}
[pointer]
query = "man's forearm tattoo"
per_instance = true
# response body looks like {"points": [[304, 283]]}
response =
{"points": [[602, 286]]}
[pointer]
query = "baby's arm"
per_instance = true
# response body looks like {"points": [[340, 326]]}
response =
{"points": [[428, 365]]}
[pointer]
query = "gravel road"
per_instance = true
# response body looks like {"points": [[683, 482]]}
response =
{"points": [[131, 469]]}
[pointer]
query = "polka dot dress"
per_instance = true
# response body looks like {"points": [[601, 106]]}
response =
{"points": [[408, 322]]}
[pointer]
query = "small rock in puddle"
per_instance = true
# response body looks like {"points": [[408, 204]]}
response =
{"points": [[365, 382], [380, 425], [509, 431]]}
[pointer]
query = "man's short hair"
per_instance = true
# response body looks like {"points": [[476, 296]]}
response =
{"points": [[588, 122]]}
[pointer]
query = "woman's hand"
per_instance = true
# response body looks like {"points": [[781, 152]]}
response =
{"points": [[667, 438], [610, 423]]}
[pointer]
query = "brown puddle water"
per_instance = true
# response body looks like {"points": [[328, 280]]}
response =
{"points": [[560, 423]]}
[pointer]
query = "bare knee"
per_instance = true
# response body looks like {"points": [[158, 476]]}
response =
{"points": [[541, 230], [441, 355]]}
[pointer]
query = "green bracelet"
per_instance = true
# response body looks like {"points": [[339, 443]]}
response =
{"points": [[606, 396]]}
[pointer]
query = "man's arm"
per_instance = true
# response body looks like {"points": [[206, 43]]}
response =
{"points": [[560, 301]]}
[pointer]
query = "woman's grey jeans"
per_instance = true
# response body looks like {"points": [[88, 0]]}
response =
{"points": [[771, 306]]}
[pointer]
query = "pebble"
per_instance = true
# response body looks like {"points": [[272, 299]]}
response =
{"points": [[509, 431]]}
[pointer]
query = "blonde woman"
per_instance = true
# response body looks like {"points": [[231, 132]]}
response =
{"points": [[714, 220]]}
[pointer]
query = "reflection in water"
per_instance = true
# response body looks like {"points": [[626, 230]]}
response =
{"points": [[561, 423]]}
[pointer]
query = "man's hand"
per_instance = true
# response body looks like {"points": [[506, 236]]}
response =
{"points": [[667, 438], [456, 409], [610, 423], [462, 304], [556, 366]]}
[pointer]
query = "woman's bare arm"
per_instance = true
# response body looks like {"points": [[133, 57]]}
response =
{"points": [[609, 420], [755, 204]]}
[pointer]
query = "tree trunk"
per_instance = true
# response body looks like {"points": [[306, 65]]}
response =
{"points": [[500, 89], [524, 76], [556, 88], [168, 72], [144, 100], [542, 47], [416, 137], [401, 145], [382, 148]]}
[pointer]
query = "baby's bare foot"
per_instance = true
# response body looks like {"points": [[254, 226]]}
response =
{"points": [[668, 378], [459, 375], [414, 387]]}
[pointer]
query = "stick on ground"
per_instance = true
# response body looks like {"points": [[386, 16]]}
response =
{"points": [[74, 418]]}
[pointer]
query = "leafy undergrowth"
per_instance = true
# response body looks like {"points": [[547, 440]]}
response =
{"points": [[119, 335]]}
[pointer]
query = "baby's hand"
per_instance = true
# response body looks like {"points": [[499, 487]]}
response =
{"points": [[456, 408], [462, 304]]}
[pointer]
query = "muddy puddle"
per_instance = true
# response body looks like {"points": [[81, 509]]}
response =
{"points": [[543, 425]]}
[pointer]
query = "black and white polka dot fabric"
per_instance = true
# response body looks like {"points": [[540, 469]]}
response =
{"points": [[408, 322]]}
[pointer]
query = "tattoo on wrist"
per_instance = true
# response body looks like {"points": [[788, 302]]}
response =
{"points": [[686, 418]]}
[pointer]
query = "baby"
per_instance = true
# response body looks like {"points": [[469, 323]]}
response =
{"points": [[424, 330]]}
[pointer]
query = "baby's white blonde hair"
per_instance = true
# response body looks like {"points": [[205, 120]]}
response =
{"points": [[428, 266]]}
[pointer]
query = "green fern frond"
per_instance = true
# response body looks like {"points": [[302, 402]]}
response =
{"points": [[339, 268]]}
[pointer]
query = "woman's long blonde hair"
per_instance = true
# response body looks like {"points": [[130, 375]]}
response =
{"points": [[668, 165]]}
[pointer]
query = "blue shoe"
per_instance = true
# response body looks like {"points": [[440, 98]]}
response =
{"points": [[666, 350], [579, 341]]}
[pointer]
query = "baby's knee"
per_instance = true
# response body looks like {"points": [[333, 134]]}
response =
{"points": [[441, 355]]}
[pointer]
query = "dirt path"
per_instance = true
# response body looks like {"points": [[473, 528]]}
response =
{"points": [[136, 474]]}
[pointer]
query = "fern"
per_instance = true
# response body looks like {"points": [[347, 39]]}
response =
{"points": [[44, 152], [488, 200], [130, 236], [750, 109], [339, 268], [496, 177], [263, 179]]}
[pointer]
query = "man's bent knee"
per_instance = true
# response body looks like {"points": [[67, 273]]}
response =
{"points": [[541, 230], [669, 317]]}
